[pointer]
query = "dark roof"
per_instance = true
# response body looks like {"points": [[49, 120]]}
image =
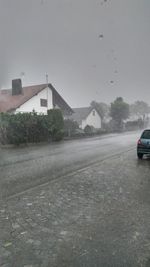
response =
{"points": [[9, 102], [81, 114], [60, 102]]}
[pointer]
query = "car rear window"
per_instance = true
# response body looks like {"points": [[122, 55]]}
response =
{"points": [[146, 134]]}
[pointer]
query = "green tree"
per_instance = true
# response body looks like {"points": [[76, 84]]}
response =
{"points": [[119, 111]]}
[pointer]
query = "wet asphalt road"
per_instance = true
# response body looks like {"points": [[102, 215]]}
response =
{"points": [[23, 168], [92, 211]]}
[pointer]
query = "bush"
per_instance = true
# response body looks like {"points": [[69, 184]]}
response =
{"points": [[30, 127], [101, 131], [114, 126], [56, 124], [107, 126], [37, 128], [79, 133], [3, 128], [134, 125], [89, 130]]}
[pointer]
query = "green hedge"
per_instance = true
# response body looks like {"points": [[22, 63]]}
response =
{"points": [[55, 124], [30, 127]]}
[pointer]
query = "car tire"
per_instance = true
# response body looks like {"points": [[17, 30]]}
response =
{"points": [[139, 155]]}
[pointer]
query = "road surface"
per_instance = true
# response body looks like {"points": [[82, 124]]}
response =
{"points": [[21, 169], [76, 203]]}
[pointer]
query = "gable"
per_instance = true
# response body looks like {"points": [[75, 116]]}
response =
{"points": [[93, 114], [40, 102], [93, 119]]}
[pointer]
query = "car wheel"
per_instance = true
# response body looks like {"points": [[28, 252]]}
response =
{"points": [[140, 155]]}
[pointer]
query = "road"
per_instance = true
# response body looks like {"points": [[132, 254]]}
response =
{"points": [[21, 169], [74, 204]]}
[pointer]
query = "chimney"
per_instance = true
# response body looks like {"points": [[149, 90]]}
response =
{"points": [[16, 87]]}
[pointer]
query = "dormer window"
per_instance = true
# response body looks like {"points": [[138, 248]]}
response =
{"points": [[93, 112]]}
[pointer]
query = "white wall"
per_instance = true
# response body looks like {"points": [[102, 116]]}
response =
{"points": [[34, 102], [92, 120]]}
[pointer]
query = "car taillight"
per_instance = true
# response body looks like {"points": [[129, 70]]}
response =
{"points": [[139, 142]]}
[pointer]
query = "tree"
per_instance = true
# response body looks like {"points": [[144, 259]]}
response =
{"points": [[101, 107], [140, 109], [119, 111]]}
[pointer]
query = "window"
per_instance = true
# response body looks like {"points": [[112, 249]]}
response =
{"points": [[43, 102], [93, 112], [146, 134]]}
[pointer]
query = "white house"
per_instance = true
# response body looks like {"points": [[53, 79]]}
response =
{"points": [[39, 98], [87, 116]]}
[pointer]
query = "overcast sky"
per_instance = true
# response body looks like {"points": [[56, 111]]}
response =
{"points": [[91, 49]]}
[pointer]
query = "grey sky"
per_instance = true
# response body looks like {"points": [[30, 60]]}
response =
{"points": [[91, 49]]}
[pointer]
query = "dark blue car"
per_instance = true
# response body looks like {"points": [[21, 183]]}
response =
{"points": [[143, 145]]}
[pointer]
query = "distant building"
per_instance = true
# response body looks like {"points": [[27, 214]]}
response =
{"points": [[39, 98], [87, 116]]}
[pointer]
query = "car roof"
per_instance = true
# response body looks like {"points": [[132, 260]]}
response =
{"points": [[146, 130]]}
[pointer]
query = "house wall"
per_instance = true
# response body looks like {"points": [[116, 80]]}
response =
{"points": [[34, 102], [92, 120]]}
